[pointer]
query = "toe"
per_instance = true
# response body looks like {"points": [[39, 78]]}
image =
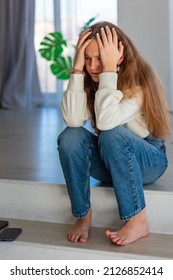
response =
{"points": [[111, 234], [115, 239], [119, 242], [72, 237], [83, 239], [75, 237], [107, 233], [124, 242], [69, 234]]}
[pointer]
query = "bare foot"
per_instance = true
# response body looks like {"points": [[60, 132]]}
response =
{"points": [[131, 231], [80, 231]]}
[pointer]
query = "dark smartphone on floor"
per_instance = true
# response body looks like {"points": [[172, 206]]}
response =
{"points": [[3, 224], [10, 234]]}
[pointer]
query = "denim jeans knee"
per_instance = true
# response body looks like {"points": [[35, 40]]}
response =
{"points": [[69, 138]]}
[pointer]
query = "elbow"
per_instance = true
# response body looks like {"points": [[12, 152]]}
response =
{"points": [[104, 127], [104, 124], [73, 122], [101, 125]]}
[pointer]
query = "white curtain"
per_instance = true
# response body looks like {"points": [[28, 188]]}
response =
{"points": [[19, 85]]}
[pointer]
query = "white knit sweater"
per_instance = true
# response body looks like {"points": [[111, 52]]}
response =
{"points": [[111, 108]]}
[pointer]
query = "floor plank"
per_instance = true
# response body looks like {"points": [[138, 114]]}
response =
{"points": [[51, 234]]}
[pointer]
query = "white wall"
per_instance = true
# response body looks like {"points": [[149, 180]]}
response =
{"points": [[171, 49], [147, 22]]}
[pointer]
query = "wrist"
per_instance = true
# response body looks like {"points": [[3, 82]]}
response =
{"points": [[78, 66], [77, 71]]}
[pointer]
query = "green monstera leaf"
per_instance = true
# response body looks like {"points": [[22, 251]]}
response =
{"points": [[53, 46], [62, 67], [88, 23]]}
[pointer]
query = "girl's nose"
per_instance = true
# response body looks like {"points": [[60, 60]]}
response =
{"points": [[94, 64]]}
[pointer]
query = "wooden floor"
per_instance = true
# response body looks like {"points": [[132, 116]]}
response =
{"points": [[53, 236], [28, 149]]}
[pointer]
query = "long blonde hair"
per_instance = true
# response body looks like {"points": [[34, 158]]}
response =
{"points": [[134, 71]]}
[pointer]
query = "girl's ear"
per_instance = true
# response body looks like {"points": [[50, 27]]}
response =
{"points": [[120, 60]]}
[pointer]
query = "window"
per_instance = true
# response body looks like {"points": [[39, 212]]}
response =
{"points": [[75, 13]]}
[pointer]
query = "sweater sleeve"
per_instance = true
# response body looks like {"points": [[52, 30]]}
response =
{"points": [[111, 108], [74, 104]]}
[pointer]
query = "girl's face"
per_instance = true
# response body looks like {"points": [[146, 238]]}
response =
{"points": [[92, 60]]}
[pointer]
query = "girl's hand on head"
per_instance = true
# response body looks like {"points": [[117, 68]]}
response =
{"points": [[82, 43], [110, 51]]}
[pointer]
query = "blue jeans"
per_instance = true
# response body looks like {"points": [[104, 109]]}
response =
{"points": [[118, 156]]}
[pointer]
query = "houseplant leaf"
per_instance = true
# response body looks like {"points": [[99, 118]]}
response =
{"points": [[53, 45], [62, 67], [88, 23]]}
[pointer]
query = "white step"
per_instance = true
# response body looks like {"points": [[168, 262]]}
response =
{"points": [[43, 212], [50, 203]]}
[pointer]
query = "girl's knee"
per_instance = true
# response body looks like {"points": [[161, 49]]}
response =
{"points": [[116, 140], [68, 135], [69, 138], [114, 135]]}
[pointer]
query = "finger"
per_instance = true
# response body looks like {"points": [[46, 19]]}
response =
{"points": [[108, 33], [104, 36], [99, 41], [83, 37], [85, 31], [115, 37], [86, 43]]}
